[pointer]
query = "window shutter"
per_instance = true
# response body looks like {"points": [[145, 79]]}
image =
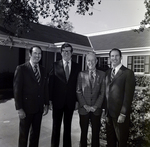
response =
{"points": [[147, 65]]}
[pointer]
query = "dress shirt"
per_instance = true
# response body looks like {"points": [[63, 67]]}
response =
{"points": [[32, 64], [117, 68], [69, 64], [94, 73]]}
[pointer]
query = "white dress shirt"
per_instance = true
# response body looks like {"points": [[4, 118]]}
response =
{"points": [[69, 64]]}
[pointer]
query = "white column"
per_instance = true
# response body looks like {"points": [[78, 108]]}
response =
{"points": [[55, 55], [83, 56]]}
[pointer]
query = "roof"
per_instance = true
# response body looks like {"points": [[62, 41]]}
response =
{"points": [[51, 35], [124, 39]]}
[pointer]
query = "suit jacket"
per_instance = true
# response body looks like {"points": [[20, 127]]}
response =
{"points": [[119, 92], [88, 95], [28, 93], [62, 92]]}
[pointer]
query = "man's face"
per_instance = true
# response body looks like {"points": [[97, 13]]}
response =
{"points": [[91, 62], [115, 58], [66, 53], [36, 55]]}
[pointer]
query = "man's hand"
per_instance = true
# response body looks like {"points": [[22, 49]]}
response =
{"points": [[50, 105], [87, 108], [93, 108], [121, 118], [21, 114], [46, 108], [76, 106]]}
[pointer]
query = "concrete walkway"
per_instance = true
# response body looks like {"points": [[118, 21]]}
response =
{"points": [[9, 127]]}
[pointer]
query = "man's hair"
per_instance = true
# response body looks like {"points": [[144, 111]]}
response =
{"points": [[31, 49], [66, 45], [115, 49], [91, 53]]}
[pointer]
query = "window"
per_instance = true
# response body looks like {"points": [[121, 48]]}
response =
{"points": [[103, 63], [139, 64]]}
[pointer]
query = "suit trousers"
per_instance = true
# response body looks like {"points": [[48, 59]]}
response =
{"points": [[32, 123], [85, 120], [117, 133], [59, 114]]}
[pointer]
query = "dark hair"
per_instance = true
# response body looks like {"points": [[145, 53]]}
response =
{"points": [[116, 49], [66, 45], [31, 49]]}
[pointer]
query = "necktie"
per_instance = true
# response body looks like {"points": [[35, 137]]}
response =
{"points": [[112, 74], [37, 74], [92, 78], [67, 70]]}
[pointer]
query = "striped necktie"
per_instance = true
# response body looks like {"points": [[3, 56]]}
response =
{"points": [[67, 70], [37, 74], [112, 74], [92, 78]]}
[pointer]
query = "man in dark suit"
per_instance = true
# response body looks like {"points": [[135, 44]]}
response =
{"points": [[31, 97], [62, 82], [120, 86], [90, 94]]}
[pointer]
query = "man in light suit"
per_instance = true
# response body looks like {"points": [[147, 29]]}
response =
{"points": [[90, 94], [31, 97], [120, 86], [62, 90]]}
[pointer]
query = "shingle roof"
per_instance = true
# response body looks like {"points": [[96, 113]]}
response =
{"points": [[52, 35], [126, 39]]}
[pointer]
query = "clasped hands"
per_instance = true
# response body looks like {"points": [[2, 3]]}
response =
{"points": [[90, 108]]}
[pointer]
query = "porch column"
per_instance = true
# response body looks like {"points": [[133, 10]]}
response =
{"points": [[55, 56], [83, 56]]}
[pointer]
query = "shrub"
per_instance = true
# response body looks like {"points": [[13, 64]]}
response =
{"points": [[139, 132], [142, 80]]}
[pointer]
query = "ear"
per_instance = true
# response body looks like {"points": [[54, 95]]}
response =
{"points": [[96, 60], [29, 54]]}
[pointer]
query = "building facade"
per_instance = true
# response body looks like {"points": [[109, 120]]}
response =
{"points": [[135, 48]]}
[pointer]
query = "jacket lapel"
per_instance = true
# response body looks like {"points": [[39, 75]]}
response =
{"points": [[60, 72], [108, 76], [31, 70], [119, 73]]}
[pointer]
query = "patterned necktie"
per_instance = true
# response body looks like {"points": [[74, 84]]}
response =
{"points": [[112, 74], [67, 70], [37, 74], [92, 78]]}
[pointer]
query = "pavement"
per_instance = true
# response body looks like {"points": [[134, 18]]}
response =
{"points": [[9, 127]]}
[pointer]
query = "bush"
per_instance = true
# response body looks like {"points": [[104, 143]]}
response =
{"points": [[139, 132], [142, 80]]}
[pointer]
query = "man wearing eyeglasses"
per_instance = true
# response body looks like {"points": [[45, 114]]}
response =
{"points": [[62, 90]]}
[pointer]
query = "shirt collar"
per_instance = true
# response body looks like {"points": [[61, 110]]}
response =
{"points": [[64, 62], [32, 64], [94, 72], [117, 68]]}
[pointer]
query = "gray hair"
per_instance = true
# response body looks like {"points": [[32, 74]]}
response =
{"points": [[91, 53]]}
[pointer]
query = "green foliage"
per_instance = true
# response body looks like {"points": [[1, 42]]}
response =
{"points": [[139, 135], [142, 80], [67, 26], [17, 13], [20, 13], [139, 132]]}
